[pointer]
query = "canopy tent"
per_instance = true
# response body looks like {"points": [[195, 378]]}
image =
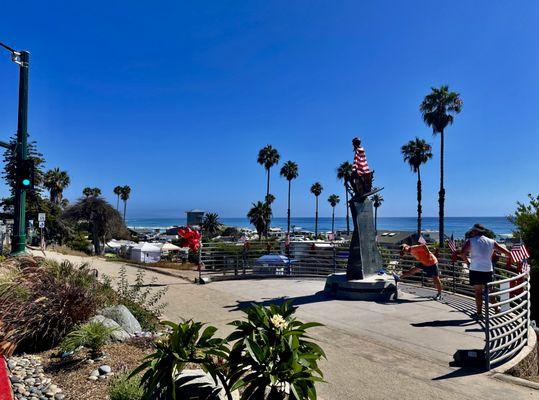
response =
{"points": [[170, 247], [146, 253]]}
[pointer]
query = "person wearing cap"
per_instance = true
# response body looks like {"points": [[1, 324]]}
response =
{"points": [[427, 263], [481, 249]]}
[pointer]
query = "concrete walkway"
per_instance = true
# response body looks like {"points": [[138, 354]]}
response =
{"points": [[374, 350]]}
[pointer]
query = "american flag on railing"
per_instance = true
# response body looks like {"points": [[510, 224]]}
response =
{"points": [[452, 245], [519, 253], [360, 162]]}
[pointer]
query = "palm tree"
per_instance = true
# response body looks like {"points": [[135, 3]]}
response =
{"points": [[88, 191], [56, 181], [259, 215], [118, 192], [333, 201], [417, 152], [316, 189], [211, 225], [439, 108], [269, 199], [377, 201], [289, 171], [124, 195], [343, 173], [268, 157]]}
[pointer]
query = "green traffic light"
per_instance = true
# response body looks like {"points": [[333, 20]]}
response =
{"points": [[26, 182]]}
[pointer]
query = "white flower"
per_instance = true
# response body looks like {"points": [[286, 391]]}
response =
{"points": [[278, 321]]}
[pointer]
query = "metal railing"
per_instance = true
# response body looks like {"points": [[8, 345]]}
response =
{"points": [[506, 299]]}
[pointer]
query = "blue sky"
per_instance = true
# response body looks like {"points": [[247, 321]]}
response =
{"points": [[175, 98]]}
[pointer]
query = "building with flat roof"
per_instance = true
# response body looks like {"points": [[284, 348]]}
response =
{"points": [[195, 217]]}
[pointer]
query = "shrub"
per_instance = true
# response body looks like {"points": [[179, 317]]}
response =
{"points": [[272, 357], [80, 243], [93, 336], [186, 343], [143, 301], [44, 301], [124, 387]]}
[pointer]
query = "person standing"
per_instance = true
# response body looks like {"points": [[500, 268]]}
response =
{"points": [[481, 249]]}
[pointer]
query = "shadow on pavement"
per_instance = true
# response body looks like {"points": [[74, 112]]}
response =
{"points": [[461, 372], [297, 301], [447, 322]]}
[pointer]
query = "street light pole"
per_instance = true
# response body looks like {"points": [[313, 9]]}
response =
{"points": [[19, 228]]}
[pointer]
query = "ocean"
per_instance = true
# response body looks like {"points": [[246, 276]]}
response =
{"points": [[453, 225]]}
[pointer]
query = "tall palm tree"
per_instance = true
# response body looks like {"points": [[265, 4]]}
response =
{"points": [[416, 153], [333, 201], [126, 191], [439, 108], [344, 171], [94, 192], [316, 189], [117, 192], [56, 181], [211, 225], [289, 171], [259, 215], [268, 157], [377, 201]]}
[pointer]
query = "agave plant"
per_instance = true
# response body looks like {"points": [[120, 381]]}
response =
{"points": [[272, 357], [186, 343]]}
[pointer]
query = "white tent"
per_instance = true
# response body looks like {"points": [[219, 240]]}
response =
{"points": [[146, 253], [170, 247]]}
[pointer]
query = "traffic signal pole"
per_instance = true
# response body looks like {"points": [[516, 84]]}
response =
{"points": [[18, 244]]}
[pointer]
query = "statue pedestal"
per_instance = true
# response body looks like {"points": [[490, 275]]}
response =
{"points": [[373, 288], [361, 280]]}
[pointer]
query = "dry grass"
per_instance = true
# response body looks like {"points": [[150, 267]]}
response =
{"points": [[66, 251]]}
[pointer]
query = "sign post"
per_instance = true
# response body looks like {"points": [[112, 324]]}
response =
{"points": [[41, 219]]}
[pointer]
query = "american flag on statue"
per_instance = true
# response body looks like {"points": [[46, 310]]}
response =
{"points": [[360, 162], [452, 245], [519, 253]]}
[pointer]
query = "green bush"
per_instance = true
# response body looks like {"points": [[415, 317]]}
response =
{"points": [[143, 301], [93, 336], [186, 343], [272, 355], [271, 358], [124, 387], [80, 243]]}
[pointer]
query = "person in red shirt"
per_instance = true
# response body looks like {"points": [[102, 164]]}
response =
{"points": [[427, 262]]}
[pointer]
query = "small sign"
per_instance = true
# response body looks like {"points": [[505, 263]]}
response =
{"points": [[41, 217], [42, 224]]}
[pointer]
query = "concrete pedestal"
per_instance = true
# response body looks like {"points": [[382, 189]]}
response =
{"points": [[373, 288]]}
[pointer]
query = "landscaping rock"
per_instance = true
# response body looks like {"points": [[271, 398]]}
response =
{"points": [[105, 369], [123, 317], [28, 380], [119, 335]]}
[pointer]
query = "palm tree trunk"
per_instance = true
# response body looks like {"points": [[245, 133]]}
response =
{"points": [[267, 183], [333, 221], [288, 211], [441, 199], [419, 208], [347, 212], [117, 202], [125, 206], [316, 219], [376, 220]]}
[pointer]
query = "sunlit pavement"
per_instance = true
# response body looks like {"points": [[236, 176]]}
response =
{"points": [[374, 350]]}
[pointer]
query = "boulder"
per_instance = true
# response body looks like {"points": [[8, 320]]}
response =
{"points": [[119, 334], [123, 317]]}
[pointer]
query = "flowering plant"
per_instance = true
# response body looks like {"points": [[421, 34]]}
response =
{"points": [[191, 236]]}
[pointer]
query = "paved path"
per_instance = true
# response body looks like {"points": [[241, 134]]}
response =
{"points": [[374, 350]]}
